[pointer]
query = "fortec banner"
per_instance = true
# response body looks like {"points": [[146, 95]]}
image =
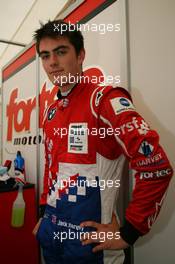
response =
{"points": [[103, 36], [15, 108]]}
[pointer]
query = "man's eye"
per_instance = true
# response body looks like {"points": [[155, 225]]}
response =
{"points": [[44, 57], [61, 52]]}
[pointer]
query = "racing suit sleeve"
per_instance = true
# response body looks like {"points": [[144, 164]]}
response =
{"points": [[43, 198], [147, 160]]}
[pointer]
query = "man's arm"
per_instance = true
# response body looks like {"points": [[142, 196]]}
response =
{"points": [[148, 161], [43, 198]]}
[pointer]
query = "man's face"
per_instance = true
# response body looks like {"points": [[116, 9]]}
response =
{"points": [[60, 60]]}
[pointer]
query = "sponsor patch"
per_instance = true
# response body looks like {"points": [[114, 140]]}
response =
{"points": [[51, 113], [155, 174], [155, 160], [78, 138], [121, 104], [135, 123], [98, 97], [146, 149]]}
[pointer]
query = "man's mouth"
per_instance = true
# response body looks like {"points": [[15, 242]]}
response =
{"points": [[56, 72]]}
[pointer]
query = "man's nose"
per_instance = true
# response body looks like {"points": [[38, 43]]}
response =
{"points": [[54, 60]]}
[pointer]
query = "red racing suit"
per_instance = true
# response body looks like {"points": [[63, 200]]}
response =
{"points": [[88, 135]]}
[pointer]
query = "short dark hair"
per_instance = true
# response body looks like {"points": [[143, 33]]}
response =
{"points": [[70, 31]]}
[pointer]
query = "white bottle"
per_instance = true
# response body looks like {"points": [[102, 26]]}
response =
{"points": [[18, 210]]}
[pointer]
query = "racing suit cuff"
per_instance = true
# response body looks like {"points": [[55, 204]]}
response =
{"points": [[129, 233], [42, 210]]}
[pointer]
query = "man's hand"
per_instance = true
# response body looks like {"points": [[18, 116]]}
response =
{"points": [[35, 230], [111, 235]]}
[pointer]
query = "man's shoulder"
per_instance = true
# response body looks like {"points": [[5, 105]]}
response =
{"points": [[106, 89], [101, 94]]}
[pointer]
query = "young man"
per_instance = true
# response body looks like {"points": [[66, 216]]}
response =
{"points": [[79, 223]]}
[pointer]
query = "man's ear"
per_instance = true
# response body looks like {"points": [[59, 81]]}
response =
{"points": [[81, 56]]}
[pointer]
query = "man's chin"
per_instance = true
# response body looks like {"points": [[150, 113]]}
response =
{"points": [[62, 85]]}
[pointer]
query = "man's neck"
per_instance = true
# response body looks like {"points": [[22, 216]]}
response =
{"points": [[66, 90]]}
